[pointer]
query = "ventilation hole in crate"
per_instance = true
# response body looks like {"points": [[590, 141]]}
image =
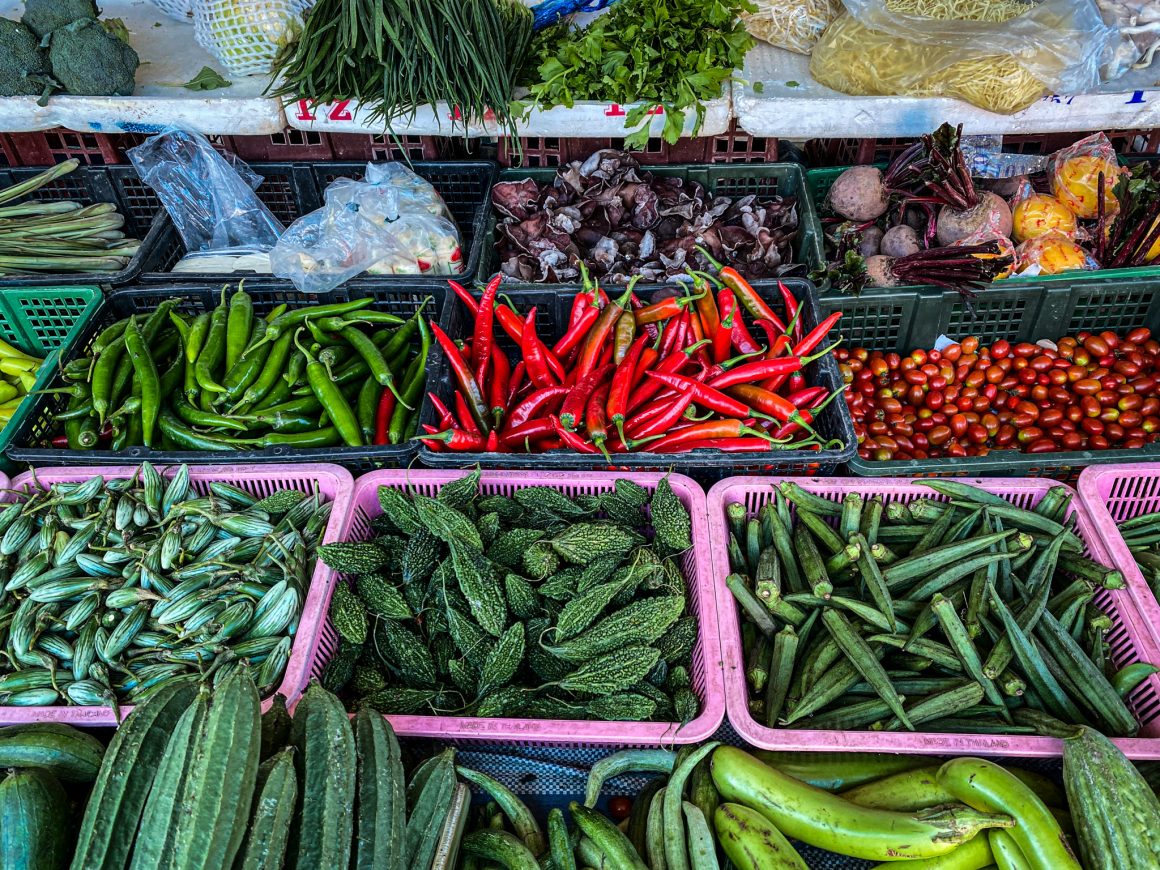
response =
{"points": [[278, 195], [873, 326], [1114, 309], [993, 319]]}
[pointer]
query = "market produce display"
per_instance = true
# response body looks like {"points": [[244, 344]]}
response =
{"points": [[523, 606], [399, 56], [608, 216], [966, 615], [59, 236], [1081, 392], [229, 379], [17, 378], [116, 586], [60, 46], [620, 378], [676, 54]]}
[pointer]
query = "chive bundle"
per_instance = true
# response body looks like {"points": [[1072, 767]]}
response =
{"points": [[394, 56]]}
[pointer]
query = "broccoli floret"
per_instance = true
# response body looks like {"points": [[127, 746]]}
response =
{"points": [[89, 61], [44, 16], [23, 63]]}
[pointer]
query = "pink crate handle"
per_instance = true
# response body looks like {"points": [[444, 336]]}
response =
{"points": [[568, 732], [1138, 644], [333, 482]]}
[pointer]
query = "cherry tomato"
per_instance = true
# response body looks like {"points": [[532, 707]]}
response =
{"points": [[619, 808]]}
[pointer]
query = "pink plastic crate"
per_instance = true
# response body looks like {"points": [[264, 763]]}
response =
{"points": [[706, 669], [332, 482], [1129, 639]]}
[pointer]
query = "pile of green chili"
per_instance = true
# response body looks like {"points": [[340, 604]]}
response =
{"points": [[394, 56], [232, 379]]}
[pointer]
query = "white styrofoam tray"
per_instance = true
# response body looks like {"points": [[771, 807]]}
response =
{"points": [[169, 55], [793, 105]]}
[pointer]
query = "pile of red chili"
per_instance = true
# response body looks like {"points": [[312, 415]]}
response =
{"points": [[682, 373], [1085, 392]]}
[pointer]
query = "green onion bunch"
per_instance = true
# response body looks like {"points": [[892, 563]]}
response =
{"points": [[394, 56]]}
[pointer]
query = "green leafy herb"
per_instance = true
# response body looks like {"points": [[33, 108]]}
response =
{"points": [[207, 80], [675, 54]]}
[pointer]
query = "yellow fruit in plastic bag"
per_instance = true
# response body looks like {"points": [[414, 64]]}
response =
{"points": [[1051, 254], [1075, 180], [1039, 214]]}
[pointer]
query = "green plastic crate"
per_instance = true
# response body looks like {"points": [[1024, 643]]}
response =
{"points": [[903, 320], [42, 321], [759, 179], [819, 182]]}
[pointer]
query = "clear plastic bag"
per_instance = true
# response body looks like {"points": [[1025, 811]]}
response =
{"points": [[795, 25], [411, 191], [212, 203], [1000, 55], [1051, 254], [330, 246], [1035, 214], [246, 35], [1075, 172]]}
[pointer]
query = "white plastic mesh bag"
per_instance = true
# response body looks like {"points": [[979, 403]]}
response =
{"points": [[182, 10], [245, 35]]}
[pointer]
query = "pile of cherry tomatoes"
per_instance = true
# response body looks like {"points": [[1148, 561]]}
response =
{"points": [[1084, 392]]}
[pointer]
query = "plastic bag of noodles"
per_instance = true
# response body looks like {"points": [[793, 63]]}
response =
{"points": [[1000, 55]]}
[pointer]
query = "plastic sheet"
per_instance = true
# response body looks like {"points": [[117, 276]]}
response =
{"points": [[1000, 55], [211, 202], [795, 25], [182, 10]]}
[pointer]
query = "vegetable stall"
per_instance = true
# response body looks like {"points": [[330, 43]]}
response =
{"points": [[430, 438]]}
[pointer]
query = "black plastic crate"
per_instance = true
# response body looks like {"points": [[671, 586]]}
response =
{"points": [[31, 443], [89, 185], [291, 190], [903, 320], [553, 309]]}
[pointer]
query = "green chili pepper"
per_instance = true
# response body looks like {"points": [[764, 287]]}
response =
{"points": [[332, 399], [246, 369], [147, 380], [206, 419], [108, 335], [194, 342], [326, 437], [381, 317], [281, 324], [305, 405], [321, 336], [270, 374], [185, 438], [75, 421], [402, 337], [374, 359], [239, 322], [367, 402], [214, 350], [413, 387], [104, 373]]}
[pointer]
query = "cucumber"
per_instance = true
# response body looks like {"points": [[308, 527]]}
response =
{"points": [[121, 788], [381, 809], [500, 847], [1116, 814], [326, 761], [67, 753], [269, 831], [34, 821], [218, 790]]}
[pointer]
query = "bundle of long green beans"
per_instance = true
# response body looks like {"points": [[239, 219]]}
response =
{"points": [[59, 236], [969, 615], [394, 56]]}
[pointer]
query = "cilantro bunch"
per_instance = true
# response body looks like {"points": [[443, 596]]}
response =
{"points": [[673, 53]]}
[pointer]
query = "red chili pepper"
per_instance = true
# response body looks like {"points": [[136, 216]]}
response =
{"points": [[463, 415], [576, 332], [465, 297], [572, 440], [746, 295], [457, 439], [648, 359], [510, 322], [517, 382], [430, 443], [688, 437], [792, 311], [817, 334], [581, 302], [696, 328], [803, 418], [483, 335], [623, 335], [595, 421], [467, 382], [493, 443], [446, 418], [535, 354], [661, 422], [672, 335], [807, 397], [598, 335], [497, 388], [671, 364], [706, 306], [666, 308], [621, 382], [741, 338], [571, 415], [538, 404], [383, 412], [706, 396], [775, 340], [756, 371], [530, 430], [723, 340], [725, 445]]}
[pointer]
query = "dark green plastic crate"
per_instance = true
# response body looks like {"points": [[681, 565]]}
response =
{"points": [[819, 182], [759, 179], [41, 321], [903, 320]]}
